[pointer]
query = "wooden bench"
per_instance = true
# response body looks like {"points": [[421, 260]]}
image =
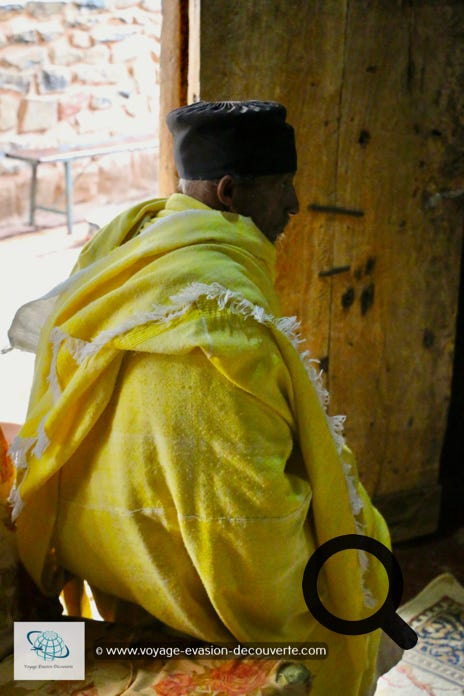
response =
{"points": [[67, 155]]}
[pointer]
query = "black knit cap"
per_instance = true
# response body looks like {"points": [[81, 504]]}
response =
{"points": [[242, 138]]}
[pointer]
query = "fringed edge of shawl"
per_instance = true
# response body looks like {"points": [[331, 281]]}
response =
{"points": [[57, 336], [16, 502], [288, 326], [18, 452], [181, 303]]}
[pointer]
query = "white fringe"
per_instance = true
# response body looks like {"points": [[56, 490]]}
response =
{"points": [[77, 347], [159, 314], [288, 326], [369, 600], [18, 451], [181, 303], [56, 339], [41, 442], [355, 500], [16, 503]]}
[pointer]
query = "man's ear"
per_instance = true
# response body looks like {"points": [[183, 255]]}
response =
{"points": [[226, 191]]}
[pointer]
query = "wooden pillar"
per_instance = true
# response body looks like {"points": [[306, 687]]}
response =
{"points": [[173, 88]]}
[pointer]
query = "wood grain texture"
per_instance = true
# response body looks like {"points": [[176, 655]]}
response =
{"points": [[273, 50], [173, 87], [373, 91], [396, 340], [411, 513]]}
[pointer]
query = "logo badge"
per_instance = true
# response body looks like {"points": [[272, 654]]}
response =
{"points": [[46, 650], [48, 645]]}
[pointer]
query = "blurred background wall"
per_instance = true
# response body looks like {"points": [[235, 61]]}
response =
{"points": [[77, 72]]}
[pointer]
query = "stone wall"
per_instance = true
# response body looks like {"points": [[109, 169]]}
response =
{"points": [[77, 72]]}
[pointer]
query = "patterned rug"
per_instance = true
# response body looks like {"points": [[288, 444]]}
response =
{"points": [[435, 667]]}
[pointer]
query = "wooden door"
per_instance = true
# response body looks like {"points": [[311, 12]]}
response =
{"points": [[371, 263]]}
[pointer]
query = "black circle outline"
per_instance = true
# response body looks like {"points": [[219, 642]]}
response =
{"points": [[342, 543]]}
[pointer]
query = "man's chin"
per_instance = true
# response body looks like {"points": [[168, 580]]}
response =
{"points": [[274, 236], [278, 233]]}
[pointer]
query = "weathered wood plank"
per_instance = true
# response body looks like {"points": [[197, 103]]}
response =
{"points": [[411, 513], [373, 90], [173, 88], [290, 52], [396, 339]]}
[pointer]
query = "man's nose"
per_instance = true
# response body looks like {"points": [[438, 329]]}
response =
{"points": [[293, 205]]}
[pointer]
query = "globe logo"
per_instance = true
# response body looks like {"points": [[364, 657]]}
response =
{"points": [[48, 645]]}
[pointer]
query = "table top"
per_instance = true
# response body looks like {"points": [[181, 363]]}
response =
{"points": [[66, 153]]}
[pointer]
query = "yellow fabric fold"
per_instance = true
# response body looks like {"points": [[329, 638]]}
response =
{"points": [[176, 453]]}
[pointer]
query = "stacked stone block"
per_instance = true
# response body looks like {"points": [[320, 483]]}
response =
{"points": [[77, 72]]}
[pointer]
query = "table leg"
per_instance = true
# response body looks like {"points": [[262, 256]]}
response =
{"points": [[69, 196], [33, 194]]}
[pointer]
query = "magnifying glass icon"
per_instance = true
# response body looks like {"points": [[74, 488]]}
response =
{"points": [[386, 617]]}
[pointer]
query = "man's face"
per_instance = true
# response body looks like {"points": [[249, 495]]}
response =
{"points": [[269, 201]]}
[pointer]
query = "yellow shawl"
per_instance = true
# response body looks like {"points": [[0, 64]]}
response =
{"points": [[182, 296]]}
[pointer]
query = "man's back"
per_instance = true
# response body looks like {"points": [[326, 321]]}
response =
{"points": [[179, 454]]}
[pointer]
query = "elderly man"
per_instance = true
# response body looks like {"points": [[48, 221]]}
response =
{"points": [[177, 452]]}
